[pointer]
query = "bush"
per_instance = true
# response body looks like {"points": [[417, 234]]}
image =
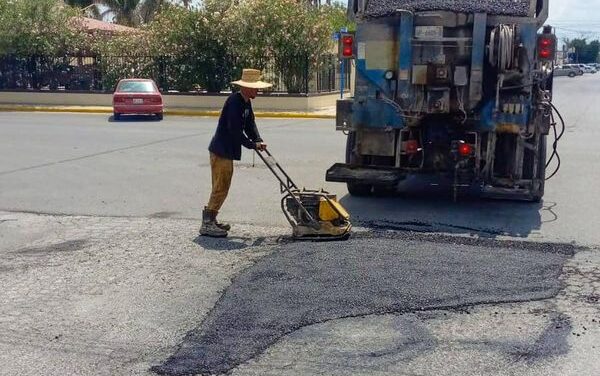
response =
{"points": [[123, 56], [293, 34], [182, 49], [38, 27], [199, 45]]}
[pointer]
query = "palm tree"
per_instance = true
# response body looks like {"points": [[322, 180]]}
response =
{"points": [[132, 12], [88, 5]]}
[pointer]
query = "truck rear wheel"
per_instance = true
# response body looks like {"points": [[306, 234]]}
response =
{"points": [[360, 190], [353, 158]]}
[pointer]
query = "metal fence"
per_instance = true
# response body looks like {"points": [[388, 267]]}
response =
{"points": [[172, 74]]}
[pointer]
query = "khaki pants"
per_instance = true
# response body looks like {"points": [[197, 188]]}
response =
{"points": [[222, 172]]}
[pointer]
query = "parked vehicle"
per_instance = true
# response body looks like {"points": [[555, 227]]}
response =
{"points": [[589, 69], [565, 71], [137, 96], [577, 67]]}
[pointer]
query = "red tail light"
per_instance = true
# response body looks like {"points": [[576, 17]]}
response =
{"points": [[119, 100], [411, 147], [465, 150], [155, 100], [346, 46], [547, 47]]}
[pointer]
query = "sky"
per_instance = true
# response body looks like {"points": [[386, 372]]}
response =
{"points": [[575, 18]]}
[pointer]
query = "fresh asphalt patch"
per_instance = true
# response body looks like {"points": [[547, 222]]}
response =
{"points": [[302, 284]]}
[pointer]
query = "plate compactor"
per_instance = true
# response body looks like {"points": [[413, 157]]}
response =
{"points": [[313, 215]]}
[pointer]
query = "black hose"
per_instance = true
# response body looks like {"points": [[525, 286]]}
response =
{"points": [[557, 137]]}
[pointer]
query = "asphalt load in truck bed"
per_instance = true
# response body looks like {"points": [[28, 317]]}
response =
{"points": [[379, 8]]}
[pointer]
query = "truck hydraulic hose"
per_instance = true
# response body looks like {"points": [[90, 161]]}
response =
{"points": [[557, 137]]}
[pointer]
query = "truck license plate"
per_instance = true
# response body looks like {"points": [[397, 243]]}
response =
{"points": [[138, 101], [425, 32]]}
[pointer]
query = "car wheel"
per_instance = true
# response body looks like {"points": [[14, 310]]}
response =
{"points": [[159, 116], [116, 116], [572, 74]]}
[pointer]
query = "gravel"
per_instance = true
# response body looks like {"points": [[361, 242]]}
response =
{"points": [[379, 8]]}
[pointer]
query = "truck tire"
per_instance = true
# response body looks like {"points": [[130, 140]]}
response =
{"points": [[355, 189], [538, 193]]}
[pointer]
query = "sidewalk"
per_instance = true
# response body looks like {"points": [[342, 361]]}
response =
{"points": [[326, 113]]}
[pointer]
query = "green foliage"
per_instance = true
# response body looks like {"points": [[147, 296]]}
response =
{"points": [[123, 56], [290, 33], [203, 46], [133, 12], [585, 52], [337, 17], [38, 27], [199, 44]]}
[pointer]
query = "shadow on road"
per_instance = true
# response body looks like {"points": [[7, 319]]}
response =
{"points": [[429, 212], [221, 244], [134, 119], [228, 244]]}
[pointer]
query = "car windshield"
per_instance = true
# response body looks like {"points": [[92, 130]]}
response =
{"points": [[136, 87]]}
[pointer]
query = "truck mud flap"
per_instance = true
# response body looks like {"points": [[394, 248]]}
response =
{"points": [[345, 173]]}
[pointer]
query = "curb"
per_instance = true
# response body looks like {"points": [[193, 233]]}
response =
{"points": [[173, 112]]}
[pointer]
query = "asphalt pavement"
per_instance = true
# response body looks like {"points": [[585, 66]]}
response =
{"points": [[91, 165], [103, 272]]}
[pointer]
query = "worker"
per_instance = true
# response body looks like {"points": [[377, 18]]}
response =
{"points": [[236, 128]]}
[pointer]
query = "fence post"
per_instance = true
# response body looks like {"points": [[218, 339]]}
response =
{"points": [[306, 78]]}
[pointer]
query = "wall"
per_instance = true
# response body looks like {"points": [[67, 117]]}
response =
{"points": [[265, 103]]}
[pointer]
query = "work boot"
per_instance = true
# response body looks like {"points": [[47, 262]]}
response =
{"points": [[223, 226], [209, 225]]}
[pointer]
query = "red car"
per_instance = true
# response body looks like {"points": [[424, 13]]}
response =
{"points": [[137, 96]]}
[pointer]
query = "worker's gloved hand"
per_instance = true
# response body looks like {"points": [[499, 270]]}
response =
{"points": [[261, 146]]}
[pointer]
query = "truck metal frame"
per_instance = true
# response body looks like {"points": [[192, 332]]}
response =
{"points": [[464, 99]]}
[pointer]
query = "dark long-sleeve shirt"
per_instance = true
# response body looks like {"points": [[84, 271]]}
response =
{"points": [[236, 128]]}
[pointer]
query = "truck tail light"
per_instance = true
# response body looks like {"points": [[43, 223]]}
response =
{"points": [[465, 150], [346, 47], [411, 147], [547, 47]]}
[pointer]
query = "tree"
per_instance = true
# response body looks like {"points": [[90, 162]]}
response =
{"points": [[38, 27], [132, 12], [585, 52], [80, 3], [291, 33], [89, 6], [199, 44]]}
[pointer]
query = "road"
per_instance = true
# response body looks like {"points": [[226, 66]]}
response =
{"points": [[103, 272]]}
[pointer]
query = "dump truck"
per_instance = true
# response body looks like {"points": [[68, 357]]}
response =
{"points": [[455, 94]]}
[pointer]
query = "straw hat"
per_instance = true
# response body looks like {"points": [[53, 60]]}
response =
{"points": [[251, 79]]}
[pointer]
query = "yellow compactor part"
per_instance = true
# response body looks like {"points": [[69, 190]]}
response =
{"points": [[328, 212]]}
